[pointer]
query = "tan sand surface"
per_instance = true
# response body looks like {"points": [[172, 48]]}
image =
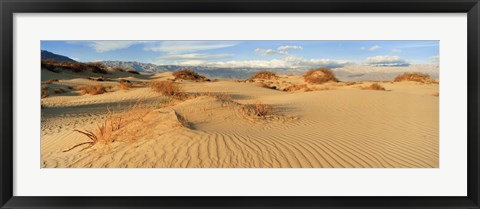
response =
{"points": [[343, 127]]}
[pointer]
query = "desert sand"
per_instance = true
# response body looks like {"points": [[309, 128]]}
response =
{"points": [[333, 125]]}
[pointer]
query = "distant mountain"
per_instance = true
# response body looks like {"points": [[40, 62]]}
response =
{"points": [[211, 72], [46, 55], [348, 73]]}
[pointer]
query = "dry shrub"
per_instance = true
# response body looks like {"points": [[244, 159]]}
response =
{"points": [[125, 84], [264, 74], [51, 81], [91, 89], [374, 86], [319, 76], [296, 87], [415, 76], [132, 71], [258, 109], [188, 74], [114, 127], [264, 85], [168, 88]]}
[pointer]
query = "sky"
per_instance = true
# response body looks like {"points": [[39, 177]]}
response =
{"points": [[258, 54]]}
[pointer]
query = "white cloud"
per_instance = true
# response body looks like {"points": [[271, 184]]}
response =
{"points": [[193, 56], [74, 58], [435, 59], [363, 48], [270, 52], [287, 62], [105, 46], [190, 62], [285, 48], [176, 47], [396, 51], [373, 48], [386, 61]]}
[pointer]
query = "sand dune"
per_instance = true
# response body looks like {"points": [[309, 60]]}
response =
{"points": [[344, 127]]}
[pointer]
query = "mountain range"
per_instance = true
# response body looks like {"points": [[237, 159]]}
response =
{"points": [[46, 55], [347, 73]]}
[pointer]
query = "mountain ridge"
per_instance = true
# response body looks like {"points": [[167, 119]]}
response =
{"points": [[47, 55]]}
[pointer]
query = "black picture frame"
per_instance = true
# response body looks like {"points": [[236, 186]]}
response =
{"points": [[9, 7]]}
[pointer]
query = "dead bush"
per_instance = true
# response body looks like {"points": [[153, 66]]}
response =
{"points": [[115, 127], [264, 85], [168, 88], [415, 76], [319, 76], [91, 89], [258, 109], [125, 84], [264, 74], [374, 86], [296, 87], [188, 74]]}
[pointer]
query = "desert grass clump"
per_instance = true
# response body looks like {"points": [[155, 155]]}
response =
{"points": [[264, 74], [258, 109], [374, 86], [188, 74], [319, 76], [125, 84], [268, 86], [168, 88], [91, 89], [436, 94], [115, 127], [296, 87], [415, 76]]}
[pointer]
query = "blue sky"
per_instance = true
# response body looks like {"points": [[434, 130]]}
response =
{"points": [[271, 54]]}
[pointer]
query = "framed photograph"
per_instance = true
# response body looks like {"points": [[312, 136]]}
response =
{"points": [[239, 104]]}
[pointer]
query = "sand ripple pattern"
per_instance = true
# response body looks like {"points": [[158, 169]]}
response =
{"points": [[328, 129]]}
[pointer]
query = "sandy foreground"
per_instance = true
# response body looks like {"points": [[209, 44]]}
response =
{"points": [[335, 126]]}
